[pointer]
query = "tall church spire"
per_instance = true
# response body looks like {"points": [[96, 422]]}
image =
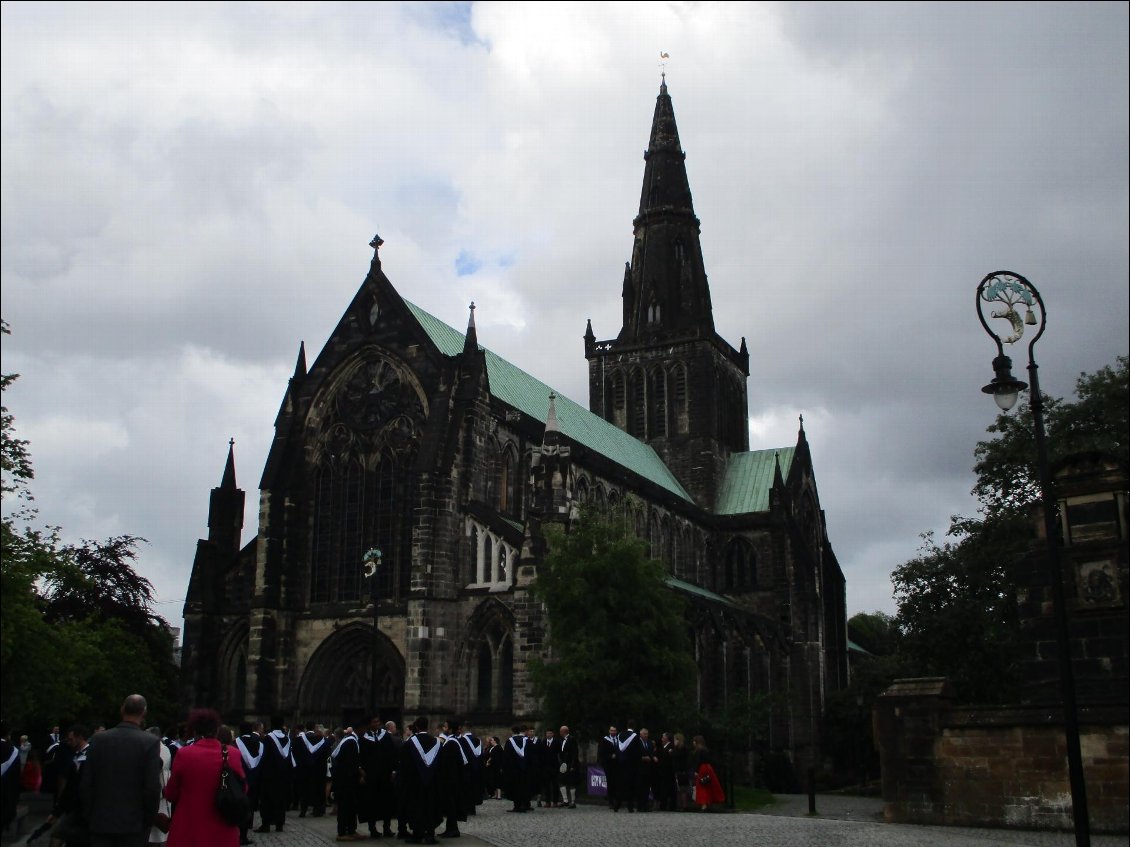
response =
{"points": [[665, 289], [668, 378]]}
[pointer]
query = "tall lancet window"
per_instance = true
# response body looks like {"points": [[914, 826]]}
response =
{"points": [[619, 401], [494, 671], [657, 395], [637, 414], [365, 431], [679, 386]]}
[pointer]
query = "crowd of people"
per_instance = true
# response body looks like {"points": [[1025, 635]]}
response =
{"points": [[423, 778]]}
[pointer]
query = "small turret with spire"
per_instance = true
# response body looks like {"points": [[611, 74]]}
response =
{"points": [[225, 507]]}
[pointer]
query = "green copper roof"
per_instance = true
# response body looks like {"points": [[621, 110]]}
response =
{"points": [[530, 395], [749, 476], [699, 591]]}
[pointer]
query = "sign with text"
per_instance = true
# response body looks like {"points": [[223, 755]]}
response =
{"points": [[598, 782]]}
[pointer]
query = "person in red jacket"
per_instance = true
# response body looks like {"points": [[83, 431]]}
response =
{"points": [[193, 783], [707, 785]]}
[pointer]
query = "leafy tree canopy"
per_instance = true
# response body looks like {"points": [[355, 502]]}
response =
{"points": [[956, 606], [619, 644], [77, 629], [875, 632], [1007, 476]]}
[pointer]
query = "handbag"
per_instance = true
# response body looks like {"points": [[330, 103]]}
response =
{"points": [[232, 804], [162, 822]]}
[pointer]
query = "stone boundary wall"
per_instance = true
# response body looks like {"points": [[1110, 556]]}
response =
{"points": [[1000, 766]]}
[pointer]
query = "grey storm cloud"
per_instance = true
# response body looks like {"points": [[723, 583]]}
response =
{"points": [[189, 191]]}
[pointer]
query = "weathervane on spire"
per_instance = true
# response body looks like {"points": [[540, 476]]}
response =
{"points": [[663, 57]]}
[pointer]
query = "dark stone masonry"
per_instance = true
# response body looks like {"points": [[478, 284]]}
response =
{"points": [[406, 436]]}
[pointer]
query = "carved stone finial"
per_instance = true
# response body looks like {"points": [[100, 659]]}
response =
{"points": [[376, 243]]}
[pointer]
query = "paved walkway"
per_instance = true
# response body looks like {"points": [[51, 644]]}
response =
{"points": [[840, 822]]}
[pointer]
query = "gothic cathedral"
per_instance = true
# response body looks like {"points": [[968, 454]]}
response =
{"points": [[408, 451]]}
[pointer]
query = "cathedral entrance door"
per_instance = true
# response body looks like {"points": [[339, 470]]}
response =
{"points": [[336, 683]]}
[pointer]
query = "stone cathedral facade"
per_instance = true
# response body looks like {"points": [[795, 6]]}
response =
{"points": [[408, 437]]}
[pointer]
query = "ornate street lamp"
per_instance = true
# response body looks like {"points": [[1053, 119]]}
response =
{"points": [[1011, 294], [370, 562]]}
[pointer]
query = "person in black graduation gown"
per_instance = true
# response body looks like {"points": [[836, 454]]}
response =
{"points": [[275, 780], [606, 752], [628, 752], [473, 774], [378, 760], [345, 771], [9, 777], [514, 770], [419, 758], [311, 749], [250, 745], [449, 777]]}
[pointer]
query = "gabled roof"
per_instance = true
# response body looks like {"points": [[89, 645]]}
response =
{"points": [[749, 476], [529, 395]]}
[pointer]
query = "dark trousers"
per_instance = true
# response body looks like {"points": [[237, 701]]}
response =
{"points": [[346, 796]]}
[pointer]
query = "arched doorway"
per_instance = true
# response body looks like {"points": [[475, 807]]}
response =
{"points": [[335, 685]]}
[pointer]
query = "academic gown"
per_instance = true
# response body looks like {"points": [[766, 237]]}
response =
{"points": [[515, 771], [417, 773]]}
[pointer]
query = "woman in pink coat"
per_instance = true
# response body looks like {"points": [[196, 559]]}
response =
{"points": [[193, 783]]}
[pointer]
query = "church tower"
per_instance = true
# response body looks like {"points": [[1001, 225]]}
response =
{"points": [[668, 378]]}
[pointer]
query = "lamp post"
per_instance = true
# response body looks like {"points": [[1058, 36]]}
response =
{"points": [[369, 563], [1010, 292], [860, 748]]}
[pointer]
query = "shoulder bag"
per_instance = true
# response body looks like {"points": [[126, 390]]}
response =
{"points": [[232, 804]]}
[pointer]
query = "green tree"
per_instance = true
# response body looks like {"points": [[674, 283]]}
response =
{"points": [[956, 603], [77, 630], [957, 609], [619, 643], [1007, 477], [875, 632]]}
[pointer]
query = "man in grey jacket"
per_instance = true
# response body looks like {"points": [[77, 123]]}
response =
{"points": [[121, 780]]}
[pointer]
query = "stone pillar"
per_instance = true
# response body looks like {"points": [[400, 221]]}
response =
{"points": [[906, 723]]}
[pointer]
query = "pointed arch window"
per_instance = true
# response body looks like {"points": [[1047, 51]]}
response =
{"points": [[508, 482], [494, 671], [619, 408], [657, 395], [679, 390], [637, 417], [740, 572], [492, 558]]}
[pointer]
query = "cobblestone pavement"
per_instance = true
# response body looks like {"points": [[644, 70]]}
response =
{"points": [[841, 822]]}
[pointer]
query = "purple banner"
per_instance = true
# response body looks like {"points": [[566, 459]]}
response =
{"points": [[598, 782]]}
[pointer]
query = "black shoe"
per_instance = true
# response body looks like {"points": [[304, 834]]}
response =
{"points": [[264, 828], [453, 833]]}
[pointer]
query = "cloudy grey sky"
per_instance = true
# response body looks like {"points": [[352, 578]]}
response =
{"points": [[188, 192]]}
